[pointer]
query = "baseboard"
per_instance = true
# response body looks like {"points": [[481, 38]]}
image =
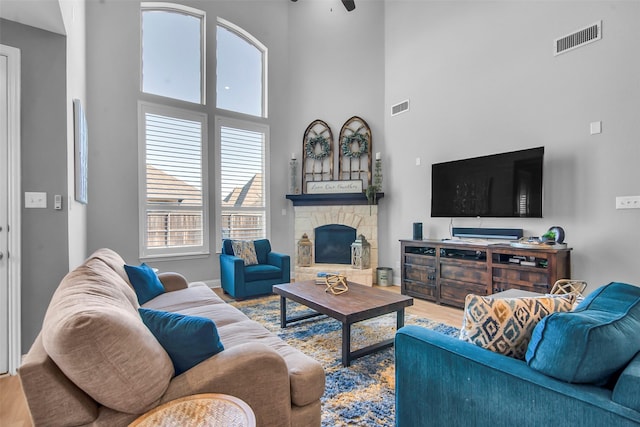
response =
{"points": [[215, 283]]}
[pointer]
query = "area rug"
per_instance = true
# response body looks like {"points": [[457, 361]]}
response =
{"points": [[361, 394]]}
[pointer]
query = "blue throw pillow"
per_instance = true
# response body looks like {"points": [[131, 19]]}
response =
{"points": [[591, 343], [187, 339], [144, 281]]}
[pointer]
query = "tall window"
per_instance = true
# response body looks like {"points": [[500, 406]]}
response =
{"points": [[173, 194], [173, 185], [242, 211], [173, 51], [241, 72], [242, 179]]}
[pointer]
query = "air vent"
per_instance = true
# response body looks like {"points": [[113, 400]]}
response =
{"points": [[577, 39], [400, 108]]}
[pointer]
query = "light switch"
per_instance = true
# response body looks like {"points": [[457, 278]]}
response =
{"points": [[596, 127], [35, 200], [417, 161]]}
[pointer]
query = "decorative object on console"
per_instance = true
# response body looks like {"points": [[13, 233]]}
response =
{"points": [[355, 151], [336, 284], [317, 143], [537, 243], [555, 233], [294, 188], [569, 286], [417, 231], [361, 253], [304, 251]]}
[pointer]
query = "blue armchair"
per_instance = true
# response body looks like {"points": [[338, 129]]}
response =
{"points": [[242, 281]]}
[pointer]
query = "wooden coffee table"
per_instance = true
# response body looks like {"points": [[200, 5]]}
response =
{"points": [[359, 303]]}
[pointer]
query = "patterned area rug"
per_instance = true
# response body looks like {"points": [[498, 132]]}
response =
{"points": [[360, 395]]}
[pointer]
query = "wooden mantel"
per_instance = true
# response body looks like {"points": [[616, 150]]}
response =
{"points": [[330, 199]]}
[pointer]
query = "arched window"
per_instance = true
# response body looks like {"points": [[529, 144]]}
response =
{"points": [[241, 71], [173, 167], [173, 51], [242, 144]]}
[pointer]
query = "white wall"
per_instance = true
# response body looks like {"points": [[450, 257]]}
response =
{"points": [[482, 79], [337, 71], [73, 14], [44, 236]]}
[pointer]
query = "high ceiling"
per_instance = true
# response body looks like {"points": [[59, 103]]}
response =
{"points": [[43, 14]]}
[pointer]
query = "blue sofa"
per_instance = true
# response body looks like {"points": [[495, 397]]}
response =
{"points": [[582, 369], [242, 281]]}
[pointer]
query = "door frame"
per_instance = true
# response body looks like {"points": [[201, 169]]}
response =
{"points": [[14, 179]]}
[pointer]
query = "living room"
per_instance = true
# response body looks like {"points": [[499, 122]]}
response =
{"points": [[481, 78]]}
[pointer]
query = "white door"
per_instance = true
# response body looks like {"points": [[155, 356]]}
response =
{"points": [[9, 209], [4, 207]]}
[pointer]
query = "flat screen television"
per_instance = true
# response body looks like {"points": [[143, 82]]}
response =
{"points": [[499, 185]]}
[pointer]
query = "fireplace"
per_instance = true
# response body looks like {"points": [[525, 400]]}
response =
{"points": [[358, 219], [333, 244]]}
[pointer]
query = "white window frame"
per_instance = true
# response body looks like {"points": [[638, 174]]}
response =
{"points": [[185, 10], [265, 60], [224, 121], [148, 253]]}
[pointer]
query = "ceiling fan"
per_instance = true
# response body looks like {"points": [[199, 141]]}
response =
{"points": [[348, 4]]}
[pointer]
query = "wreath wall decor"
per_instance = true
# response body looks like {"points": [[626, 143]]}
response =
{"points": [[317, 152], [356, 144], [310, 148], [347, 144]]}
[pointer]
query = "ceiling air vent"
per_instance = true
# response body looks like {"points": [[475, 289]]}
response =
{"points": [[577, 39], [400, 108]]}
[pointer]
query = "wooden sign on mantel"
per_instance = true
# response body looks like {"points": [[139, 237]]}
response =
{"points": [[334, 187]]}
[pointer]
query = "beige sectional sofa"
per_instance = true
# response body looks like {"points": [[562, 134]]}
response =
{"points": [[96, 363]]}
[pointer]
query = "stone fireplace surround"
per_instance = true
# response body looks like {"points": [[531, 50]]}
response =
{"points": [[363, 218]]}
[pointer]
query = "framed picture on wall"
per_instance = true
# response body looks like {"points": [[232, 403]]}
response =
{"points": [[81, 152]]}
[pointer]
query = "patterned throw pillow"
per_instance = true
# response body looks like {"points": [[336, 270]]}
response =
{"points": [[246, 250], [504, 325]]}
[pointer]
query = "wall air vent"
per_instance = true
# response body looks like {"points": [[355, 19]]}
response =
{"points": [[578, 38], [399, 108]]}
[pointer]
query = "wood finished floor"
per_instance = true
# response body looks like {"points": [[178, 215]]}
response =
{"points": [[15, 413]]}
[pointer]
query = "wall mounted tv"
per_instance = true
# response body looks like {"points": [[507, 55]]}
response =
{"points": [[499, 185]]}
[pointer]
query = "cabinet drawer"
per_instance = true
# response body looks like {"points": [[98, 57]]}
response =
{"points": [[421, 290], [468, 273], [454, 293], [520, 278], [420, 260], [419, 273]]}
